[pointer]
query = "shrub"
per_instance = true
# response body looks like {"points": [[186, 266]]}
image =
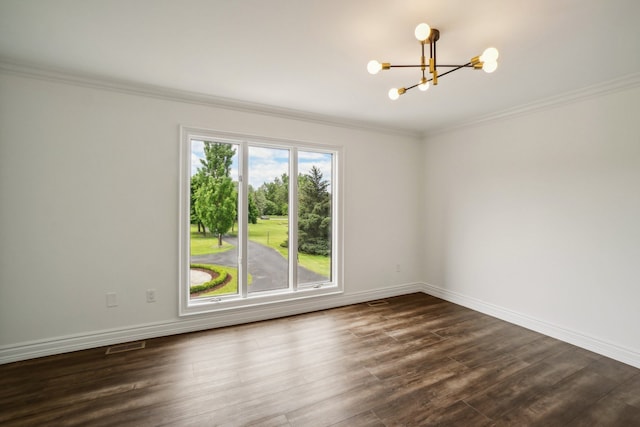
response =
{"points": [[218, 280], [315, 247]]}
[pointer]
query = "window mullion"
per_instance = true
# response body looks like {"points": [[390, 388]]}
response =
{"points": [[243, 229], [293, 219]]}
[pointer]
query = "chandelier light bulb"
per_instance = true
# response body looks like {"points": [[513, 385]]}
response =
{"points": [[374, 67], [490, 54], [423, 31], [490, 67], [423, 86], [393, 94]]}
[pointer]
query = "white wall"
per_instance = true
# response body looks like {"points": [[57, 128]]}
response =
{"points": [[89, 205], [537, 218], [534, 216]]}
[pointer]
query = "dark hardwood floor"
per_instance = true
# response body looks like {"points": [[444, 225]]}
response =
{"points": [[410, 360]]}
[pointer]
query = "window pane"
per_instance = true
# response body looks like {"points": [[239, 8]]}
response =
{"points": [[315, 172], [268, 210], [214, 216]]}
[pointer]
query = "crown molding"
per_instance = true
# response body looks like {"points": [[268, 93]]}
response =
{"points": [[625, 82], [12, 67]]}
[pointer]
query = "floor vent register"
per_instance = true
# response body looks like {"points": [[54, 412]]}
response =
{"points": [[121, 348]]}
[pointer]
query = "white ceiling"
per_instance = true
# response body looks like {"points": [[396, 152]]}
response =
{"points": [[311, 55]]}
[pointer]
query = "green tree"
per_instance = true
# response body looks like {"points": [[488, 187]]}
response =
{"points": [[314, 214], [196, 181], [215, 199], [284, 195], [253, 211], [277, 193], [271, 208], [260, 200]]}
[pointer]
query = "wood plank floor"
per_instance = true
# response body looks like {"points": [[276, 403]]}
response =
{"points": [[405, 361]]}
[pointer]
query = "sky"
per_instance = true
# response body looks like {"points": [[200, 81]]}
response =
{"points": [[267, 163]]}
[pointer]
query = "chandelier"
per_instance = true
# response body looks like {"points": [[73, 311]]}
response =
{"points": [[427, 35]]}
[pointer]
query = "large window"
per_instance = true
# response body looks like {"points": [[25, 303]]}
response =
{"points": [[249, 233]]}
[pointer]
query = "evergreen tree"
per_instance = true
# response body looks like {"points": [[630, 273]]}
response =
{"points": [[314, 214]]}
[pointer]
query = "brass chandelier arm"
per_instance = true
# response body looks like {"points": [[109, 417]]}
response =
{"points": [[469, 64], [455, 68]]}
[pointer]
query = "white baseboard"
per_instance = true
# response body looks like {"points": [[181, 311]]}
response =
{"points": [[596, 345], [65, 344], [94, 339]]}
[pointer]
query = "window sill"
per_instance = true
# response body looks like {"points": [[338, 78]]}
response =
{"points": [[258, 302]]}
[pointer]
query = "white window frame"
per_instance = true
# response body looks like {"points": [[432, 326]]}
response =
{"points": [[245, 299]]}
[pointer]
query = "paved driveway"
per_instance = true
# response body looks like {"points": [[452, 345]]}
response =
{"points": [[268, 268]]}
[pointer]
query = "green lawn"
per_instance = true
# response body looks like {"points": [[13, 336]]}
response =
{"points": [[316, 263], [201, 245], [271, 232]]}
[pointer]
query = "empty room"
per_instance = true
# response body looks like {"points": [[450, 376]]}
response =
{"points": [[460, 244]]}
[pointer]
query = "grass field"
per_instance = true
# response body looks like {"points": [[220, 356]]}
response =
{"points": [[269, 232], [202, 245]]}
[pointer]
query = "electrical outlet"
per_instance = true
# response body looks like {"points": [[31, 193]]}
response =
{"points": [[397, 268], [112, 299], [151, 295]]}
